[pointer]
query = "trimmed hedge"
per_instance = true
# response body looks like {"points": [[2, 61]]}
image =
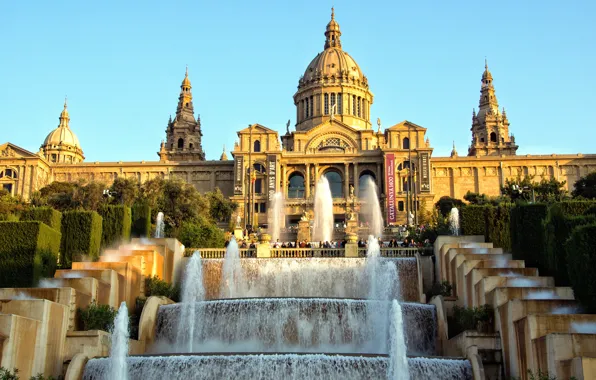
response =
{"points": [[116, 223], [581, 258], [527, 234], [28, 252], [81, 235], [472, 220], [571, 208], [498, 226], [557, 229], [141, 221], [48, 215]]}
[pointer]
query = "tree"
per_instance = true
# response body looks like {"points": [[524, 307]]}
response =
{"points": [[446, 203], [10, 204], [476, 199], [124, 191], [201, 233], [519, 188], [220, 208], [550, 190], [585, 187], [547, 190]]}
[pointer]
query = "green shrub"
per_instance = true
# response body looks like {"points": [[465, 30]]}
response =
{"points": [[81, 235], [472, 220], [473, 318], [141, 221], [154, 286], [443, 289], [97, 317], [527, 234], [28, 252], [201, 234], [48, 215], [8, 217], [557, 229], [581, 259], [6, 374], [498, 226], [116, 223], [570, 208]]}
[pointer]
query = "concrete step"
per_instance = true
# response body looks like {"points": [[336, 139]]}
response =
{"points": [[488, 283], [501, 295]]}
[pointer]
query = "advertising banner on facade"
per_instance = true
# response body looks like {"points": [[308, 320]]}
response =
{"points": [[390, 181], [238, 174], [424, 172], [271, 176]]}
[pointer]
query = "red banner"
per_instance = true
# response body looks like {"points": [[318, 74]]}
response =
{"points": [[390, 181]]}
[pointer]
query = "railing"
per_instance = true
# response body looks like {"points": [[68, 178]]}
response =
{"points": [[219, 253], [307, 252], [397, 252]]}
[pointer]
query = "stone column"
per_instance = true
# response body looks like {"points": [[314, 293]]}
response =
{"points": [[316, 173], [307, 182], [284, 186], [346, 181], [380, 179], [356, 181]]}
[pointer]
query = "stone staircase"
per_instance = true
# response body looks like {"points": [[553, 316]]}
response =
{"points": [[46, 317], [538, 326]]}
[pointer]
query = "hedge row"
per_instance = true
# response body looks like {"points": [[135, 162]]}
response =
{"points": [[141, 221], [472, 220], [116, 223], [581, 257], [527, 234], [47, 215], [81, 236], [28, 252]]}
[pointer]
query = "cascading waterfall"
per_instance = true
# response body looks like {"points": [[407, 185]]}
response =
{"points": [[193, 291], [119, 348], [159, 226], [232, 283], [371, 208], [398, 360], [323, 224], [276, 216], [454, 221]]}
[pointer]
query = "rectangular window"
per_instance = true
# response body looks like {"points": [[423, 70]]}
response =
{"points": [[311, 107], [354, 105], [359, 99], [400, 206], [339, 105], [263, 208], [333, 101], [326, 104], [306, 113]]}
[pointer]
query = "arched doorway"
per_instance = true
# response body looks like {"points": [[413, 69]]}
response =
{"points": [[365, 176], [296, 185]]}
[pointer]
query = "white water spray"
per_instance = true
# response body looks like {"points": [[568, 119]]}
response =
{"points": [[373, 263], [159, 226], [323, 224], [193, 291], [119, 349], [371, 208], [232, 275], [454, 221], [276, 216], [398, 360]]}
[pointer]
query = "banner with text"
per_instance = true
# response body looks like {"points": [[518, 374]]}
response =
{"points": [[424, 172], [271, 176], [238, 174], [390, 181]]}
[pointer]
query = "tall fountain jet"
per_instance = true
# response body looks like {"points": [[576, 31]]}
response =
{"points": [[159, 226], [454, 221], [276, 216], [323, 224], [119, 349], [371, 207], [193, 291], [398, 360], [232, 284]]}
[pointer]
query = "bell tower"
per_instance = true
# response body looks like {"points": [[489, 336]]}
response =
{"points": [[490, 128], [183, 134]]}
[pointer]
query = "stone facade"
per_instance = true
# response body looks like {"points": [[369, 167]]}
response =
{"points": [[333, 137]]}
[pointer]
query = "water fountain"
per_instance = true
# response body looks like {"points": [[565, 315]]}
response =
{"points": [[454, 221], [193, 291], [300, 319], [323, 224], [159, 226], [371, 209], [276, 216], [118, 368]]}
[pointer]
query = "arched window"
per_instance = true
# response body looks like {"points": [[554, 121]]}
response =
{"points": [[364, 184], [190, 146], [493, 137], [259, 168], [406, 143], [333, 102], [326, 97], [312, 110], [180, 143], [502, 139], [306, 109], [296, 185], [339, 104], [256, 146], [335, 184], [259, 186]]}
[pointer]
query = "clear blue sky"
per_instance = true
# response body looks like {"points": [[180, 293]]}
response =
{"points": [[121, 64]]}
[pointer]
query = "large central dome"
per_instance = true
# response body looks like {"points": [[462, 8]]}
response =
{"points": [[333, 86]]}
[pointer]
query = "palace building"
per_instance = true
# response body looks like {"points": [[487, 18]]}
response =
{"points": [[334, 137]]}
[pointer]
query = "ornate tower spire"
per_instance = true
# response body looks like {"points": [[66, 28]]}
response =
{"points": [[185, 108], [490, 128], [332, 33], [64, 117], [454, 151]]}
